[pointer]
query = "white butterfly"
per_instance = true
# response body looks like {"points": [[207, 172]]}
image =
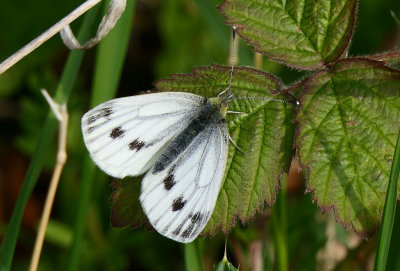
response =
{"points": [[180, 139]]}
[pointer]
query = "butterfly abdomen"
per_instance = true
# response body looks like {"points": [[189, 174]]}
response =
{"points": [[209, 113]]}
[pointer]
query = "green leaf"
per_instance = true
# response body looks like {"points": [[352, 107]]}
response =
{"points": [[391, 58], [264, 134], [302, 34], [397, 20], [126, 209], [348, 123]]}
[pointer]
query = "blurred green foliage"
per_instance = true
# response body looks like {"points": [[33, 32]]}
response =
{"points": [[170, 36]]}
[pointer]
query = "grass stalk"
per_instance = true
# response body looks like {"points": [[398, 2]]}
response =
{"points": [[193, 256], [279, 224], [48, 129], [389, 211], [109, 63]]}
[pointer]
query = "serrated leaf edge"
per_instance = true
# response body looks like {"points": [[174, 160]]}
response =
{"points": [[326, 208]]}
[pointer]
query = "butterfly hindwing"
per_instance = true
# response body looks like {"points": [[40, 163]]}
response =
{"points": [[180, 199], [124, 136]]}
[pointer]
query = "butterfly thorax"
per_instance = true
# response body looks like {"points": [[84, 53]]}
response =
{"points": [[212, 111]]}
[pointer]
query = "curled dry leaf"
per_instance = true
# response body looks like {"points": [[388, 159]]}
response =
{"points": [[114, 12]]}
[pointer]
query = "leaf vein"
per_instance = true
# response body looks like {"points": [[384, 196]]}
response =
{"points": [[348, 143]]}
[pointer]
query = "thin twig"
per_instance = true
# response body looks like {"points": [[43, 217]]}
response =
{"points": [[27, 49], [59, 111]]}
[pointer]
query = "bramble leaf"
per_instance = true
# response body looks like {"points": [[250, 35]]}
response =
{"points": [[126, 209], [302, 34], [391, 59], [348, 123], [264, 134]]}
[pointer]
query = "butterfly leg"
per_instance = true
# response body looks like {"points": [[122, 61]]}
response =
{"points": [[235, 112], [234, 144]]}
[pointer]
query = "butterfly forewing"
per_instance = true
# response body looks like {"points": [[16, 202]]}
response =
{"points": [[180, 199], [126, 135]]}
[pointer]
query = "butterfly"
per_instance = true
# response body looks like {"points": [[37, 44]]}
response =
{"points": [[180, 139]]}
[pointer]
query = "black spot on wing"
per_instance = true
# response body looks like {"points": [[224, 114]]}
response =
{"points": [[136, 145], [92, 119], [117, 133], [106, 112], [186, 233], [195, 222], [169, 182], [102, 113], [196, 218], [178, 229], [164, 231], [90, 129], [178, 204]]}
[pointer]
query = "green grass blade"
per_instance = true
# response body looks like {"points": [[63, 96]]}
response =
{"points": [[193, 256], [10, 238], [111, 58], [109, 63], [393, 262], [388, 212], [279, 224], [62, 93], [213, 20], [82, 208], [397, 20]]}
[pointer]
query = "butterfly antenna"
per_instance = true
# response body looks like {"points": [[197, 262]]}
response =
{"points": [[266, 99], [227, 91], [232, 55], [229, 94]]}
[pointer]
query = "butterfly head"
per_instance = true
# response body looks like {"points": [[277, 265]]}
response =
{"points": [[226, 95], [222, 101]]}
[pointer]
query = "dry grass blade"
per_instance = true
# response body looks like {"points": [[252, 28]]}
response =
{"points": [[31, 46], [62, 115]]}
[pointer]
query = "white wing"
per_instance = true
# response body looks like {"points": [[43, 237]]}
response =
{"points": [[125, 136], [180, 200]]}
